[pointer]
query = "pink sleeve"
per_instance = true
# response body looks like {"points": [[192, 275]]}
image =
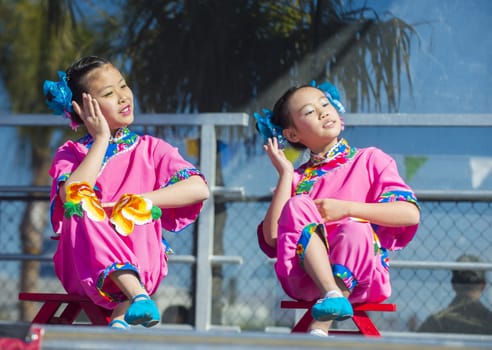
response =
{"points": [[172, 168], [388, 186], [267, 249], [66, 159]]}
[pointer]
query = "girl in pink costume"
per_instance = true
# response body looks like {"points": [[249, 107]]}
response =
{"points": [[113, 191], [331, 220]]}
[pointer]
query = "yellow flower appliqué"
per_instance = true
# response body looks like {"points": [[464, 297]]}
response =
{"points": [[81, 197], [131, 210]]}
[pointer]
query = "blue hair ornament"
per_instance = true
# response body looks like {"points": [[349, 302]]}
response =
{"points": [[58, 94], [331, 92], [59, 97], [267, 129]]}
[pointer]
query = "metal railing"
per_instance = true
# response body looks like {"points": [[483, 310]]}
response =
{"points": [[207, 123]]}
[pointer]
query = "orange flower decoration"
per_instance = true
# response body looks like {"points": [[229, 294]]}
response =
{"points": [[131, 210], [80, 195]]}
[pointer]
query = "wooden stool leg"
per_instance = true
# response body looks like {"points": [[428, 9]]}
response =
{"points": [[365, 324], [47, 312], [72, 310], [302, 325], [96, 314]]}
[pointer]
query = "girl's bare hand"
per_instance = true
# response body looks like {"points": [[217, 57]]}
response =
{"points": [[91, 115], [332, 209], [277, 157]]}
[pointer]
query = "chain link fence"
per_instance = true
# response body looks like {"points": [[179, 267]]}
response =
{"points": [[246, 294], [250, 294]]}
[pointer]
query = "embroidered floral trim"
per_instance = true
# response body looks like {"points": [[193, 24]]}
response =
{"points": [[62, 178], [167, 246], [340, 148], [393, 196], [306, 235], [131, 210], [382, 251], [122, 141], [302, 244], [115, 297], [384, 258], [317, 166], [184, 174], [345, 275], [81, 197]]}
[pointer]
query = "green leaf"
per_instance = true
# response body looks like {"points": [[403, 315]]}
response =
{"points": [[156, 212], [72, 209]]}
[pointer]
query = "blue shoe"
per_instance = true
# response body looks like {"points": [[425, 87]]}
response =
{"points": [[119, 324], [333, 308], [143, 310]]}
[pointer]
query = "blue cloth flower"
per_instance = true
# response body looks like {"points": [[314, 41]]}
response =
{"points": [[267, 129], [58, 94], [331, 92]]}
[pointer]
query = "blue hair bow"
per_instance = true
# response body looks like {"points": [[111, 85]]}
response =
{"points": [[58, 95], [267, 129], [331, 92]]}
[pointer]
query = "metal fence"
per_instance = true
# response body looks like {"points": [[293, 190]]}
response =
{"points": [[221, 279]]}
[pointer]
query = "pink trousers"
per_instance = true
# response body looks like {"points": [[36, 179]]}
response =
{"points": [[353, 253]]}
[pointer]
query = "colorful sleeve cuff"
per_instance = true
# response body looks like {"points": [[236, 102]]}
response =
{"points": [[177, 219], [393, 196]]}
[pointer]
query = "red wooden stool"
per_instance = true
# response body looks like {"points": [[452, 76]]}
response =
{"points": [[361, 319], [53, 302]]}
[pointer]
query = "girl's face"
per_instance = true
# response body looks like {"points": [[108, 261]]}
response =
{"points": [[316, 123], [115, 98]]}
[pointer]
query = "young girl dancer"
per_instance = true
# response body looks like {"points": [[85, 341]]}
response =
{"points": [[113, 191], [331, 220]]}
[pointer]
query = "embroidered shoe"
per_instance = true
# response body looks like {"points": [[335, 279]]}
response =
{"points": [[142, 310], [334, 306]]}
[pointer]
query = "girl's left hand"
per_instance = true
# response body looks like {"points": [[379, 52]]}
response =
{"points": [[332, 209]]}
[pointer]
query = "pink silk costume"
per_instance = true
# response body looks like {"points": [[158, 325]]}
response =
{"points": [[357, 250], [88, 251]]}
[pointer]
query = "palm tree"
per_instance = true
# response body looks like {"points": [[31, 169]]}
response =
{"points": [[215, 55]]}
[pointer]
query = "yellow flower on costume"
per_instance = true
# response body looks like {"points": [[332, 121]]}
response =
{"points": [[80, 195], [131, 210]]}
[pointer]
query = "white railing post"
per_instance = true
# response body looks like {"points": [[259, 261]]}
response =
{"points": [[203, 292]]}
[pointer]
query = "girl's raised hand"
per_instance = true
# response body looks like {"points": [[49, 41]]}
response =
{"points": [[91, 115], [277, 157]]}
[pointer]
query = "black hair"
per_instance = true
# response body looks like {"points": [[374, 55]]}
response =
{"points": [[281, 115], [75, 77]]}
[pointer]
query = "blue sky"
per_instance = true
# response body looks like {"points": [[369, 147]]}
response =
{"points": [[451, 66]]}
